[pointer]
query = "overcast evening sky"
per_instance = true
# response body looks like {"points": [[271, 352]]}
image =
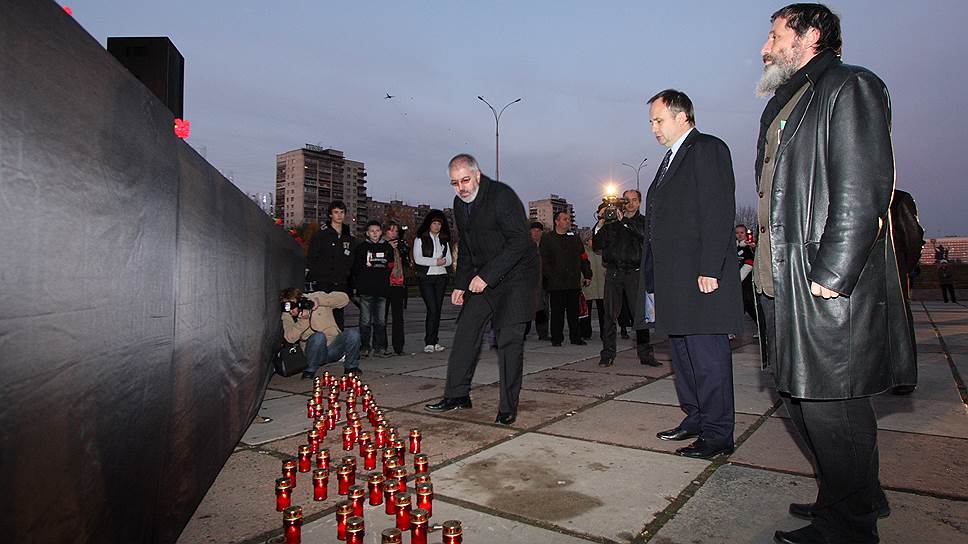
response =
{"points": [[264, 77]]}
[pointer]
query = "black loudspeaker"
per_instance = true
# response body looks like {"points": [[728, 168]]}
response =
{"points": [[156, 63]]}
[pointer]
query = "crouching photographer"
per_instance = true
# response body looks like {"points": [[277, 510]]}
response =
{"points": [[308, 319]]}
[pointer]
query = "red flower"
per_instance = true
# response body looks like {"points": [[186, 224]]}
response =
{"points": [[68, 10], [278, 221], [182, 128], [299, 239]]}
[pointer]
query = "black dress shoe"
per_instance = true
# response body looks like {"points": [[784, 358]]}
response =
{"points": [[447, 404], [579, 342], [505, 419], [804, 510], [700, 449], [556, 344], [306, 375], [650, 360], [606, 361], [803, 535], [676, 434]]}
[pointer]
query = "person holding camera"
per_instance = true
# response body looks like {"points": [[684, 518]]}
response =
{"points": [[619, 235], [370, 281], [397, 298], [308, 319]]}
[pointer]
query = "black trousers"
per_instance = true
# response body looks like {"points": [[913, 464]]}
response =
{"points": [[396, 302], [622, 285], [749, 300], [946, 290], [540, 325], [703, 366], [432, 293], [564, 302], [841, 436], [472, 323], [586, 325]]}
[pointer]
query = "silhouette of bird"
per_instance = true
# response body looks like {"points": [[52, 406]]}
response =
{"points": [[389, 96]]}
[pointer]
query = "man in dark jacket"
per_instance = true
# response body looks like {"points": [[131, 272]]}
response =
{"points": [[833, 326], [620, 242], [497, 269], [689, 216], [564, 270], [330, 255]]}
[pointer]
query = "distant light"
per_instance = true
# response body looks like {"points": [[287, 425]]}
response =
{"points": [[610, 189]]}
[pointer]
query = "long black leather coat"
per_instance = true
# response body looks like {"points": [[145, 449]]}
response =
{"points": [[829, 223]]}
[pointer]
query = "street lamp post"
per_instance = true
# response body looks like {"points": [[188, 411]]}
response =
{"points": [[497, 134], [637, 170]]}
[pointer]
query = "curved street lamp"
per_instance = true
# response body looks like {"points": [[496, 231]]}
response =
{"points": [[637, 170], [497, 134]]}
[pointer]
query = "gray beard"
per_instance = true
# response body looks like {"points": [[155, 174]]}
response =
{"points": [[471, 198], [773, 76]]}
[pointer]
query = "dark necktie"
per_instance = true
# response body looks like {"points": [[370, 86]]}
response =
{"points": [[664, 167]]}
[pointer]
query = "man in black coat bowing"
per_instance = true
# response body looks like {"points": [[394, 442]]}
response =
{"points": [[497, 272], [689, 238]]}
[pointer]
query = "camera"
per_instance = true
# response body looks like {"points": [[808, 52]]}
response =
{"points": [[610, 206], [303, 304]]}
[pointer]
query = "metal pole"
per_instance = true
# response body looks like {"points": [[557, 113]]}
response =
{"points": [[497, 134], [637, 170]]}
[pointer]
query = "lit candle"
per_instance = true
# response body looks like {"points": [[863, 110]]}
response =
{"points": [[401, 450], [400, 474], [390, 466], [391, 536], [289, 470], [389, 493], [452, 532], [369, 456], [414, 440], [363, 440], [343, 475], [327, 379], [313, 436], [322, 458], [425, 497], [283, 494], [331, 419], [305, 464], [355, 530], [344, 511], [348, 438], [403, 504], [292, 519], [380, 436], [344, 382], [418, 526], [367, 402], [310, 408], [421, 478], [420, 463], [356, 495], [320, 484], [349, 461], [375, 483]]}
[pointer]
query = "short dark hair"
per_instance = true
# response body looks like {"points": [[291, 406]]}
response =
{"points": [[676, 101], [741, 225], [290, 293], [374, 223], [559, 212], [537, 225], [335, 205], [636, 191], [802, 17]]}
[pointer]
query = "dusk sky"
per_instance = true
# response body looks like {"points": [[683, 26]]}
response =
{"points": [[263, 77]]}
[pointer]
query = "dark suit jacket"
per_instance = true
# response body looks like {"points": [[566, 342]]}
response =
{"points": [[495, 244], [691, 214]]}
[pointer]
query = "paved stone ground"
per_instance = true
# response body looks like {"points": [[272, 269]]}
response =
{"points": [[582, 463]]}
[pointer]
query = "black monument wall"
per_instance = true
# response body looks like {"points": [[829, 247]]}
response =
{"points": [[138, 297]]}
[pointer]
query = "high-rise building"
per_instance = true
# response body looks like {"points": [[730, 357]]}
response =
{"points": [[264, 200], [544, 210], [310, 178]]}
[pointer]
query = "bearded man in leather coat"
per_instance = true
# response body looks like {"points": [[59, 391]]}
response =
{"points": [[833, 321]]}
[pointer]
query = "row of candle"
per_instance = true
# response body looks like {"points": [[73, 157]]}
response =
{"points": [[388, 487]]}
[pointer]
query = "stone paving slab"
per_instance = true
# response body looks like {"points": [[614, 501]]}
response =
{"points": [[288, 417], [581, 383], [910, 414], [961, 363], [748, 399], [477, 526], [275, 394], [402, 364], [630, 424], [394, 391], [923, 463], [608, 491], [241, 502], [534, 407], [295, 384], [740, 504], [626, 362], [486, 372]]}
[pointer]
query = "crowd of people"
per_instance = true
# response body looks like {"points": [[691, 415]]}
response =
{"points": [[821, 278]]}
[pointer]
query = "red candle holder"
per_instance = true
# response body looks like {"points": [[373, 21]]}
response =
{"points": [[344, 478], [375, 484], [421, 463], [317, 395], [348, 438], [331, 418], [344, 511], [425, 497], [356, 495], [393, 433], [349, 461], [363, 440], [355, 530], [391, 536], [327, 379], [390, 488], [452, 532], [369, 456], [283, 494], [310, 408], [313, 436], [317, 409], [350, 403], [403, 504], [305, 464], [367, 402], [292, 519], [322, 459], [289, 470], [414, 440], [397, 444], [358, 386], [421, 479], [320, 484], [380, 436], [419, 520], [344, 383], [390, 466], [357, 428], [400, 474]]}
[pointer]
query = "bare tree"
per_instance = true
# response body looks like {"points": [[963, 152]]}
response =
{"points": [[746, 215]]}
